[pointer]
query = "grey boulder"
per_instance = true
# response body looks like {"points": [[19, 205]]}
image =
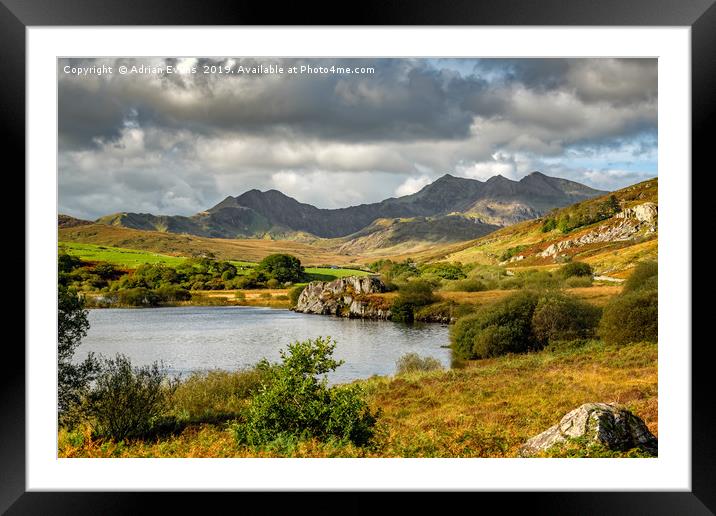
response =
{"points": [[614, 427]]}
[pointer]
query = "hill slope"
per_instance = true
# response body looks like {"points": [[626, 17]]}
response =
{"points": [[611, 232], [497, 201]]}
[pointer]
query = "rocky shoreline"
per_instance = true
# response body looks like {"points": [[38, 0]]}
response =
{"points": [[353, 297]]}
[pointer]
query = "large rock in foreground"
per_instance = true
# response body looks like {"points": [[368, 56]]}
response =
{"points": [[603, 423], [353, 296]]}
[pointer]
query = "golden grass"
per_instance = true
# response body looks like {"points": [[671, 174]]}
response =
{"points": [[252, 250], [273, 298], [488, 408]]}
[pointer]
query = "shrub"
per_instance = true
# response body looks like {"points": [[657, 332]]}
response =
{"points": [[139, 296], [550, 224], [644, 276], [401, 311], [106, 271], [444, 270], [579, 269], [417, 292], [273, 283], [67, 262], [294, 401], [578, 282], [172, 293], [412, 362], [241, 296], [295, 293], [631, 317], [512, 251], [561, 317], [128, 401], [411, 295], [246, 282], [503, 327]]}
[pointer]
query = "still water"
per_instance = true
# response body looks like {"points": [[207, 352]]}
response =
{"points": [[201, 338]]}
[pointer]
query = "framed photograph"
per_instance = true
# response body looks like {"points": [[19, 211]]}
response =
{"points": [[418, 252]]}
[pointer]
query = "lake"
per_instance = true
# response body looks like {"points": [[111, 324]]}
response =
{"points": [[201, 338]]}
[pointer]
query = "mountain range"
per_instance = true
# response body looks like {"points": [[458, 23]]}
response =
{"points": [[449, 209]]}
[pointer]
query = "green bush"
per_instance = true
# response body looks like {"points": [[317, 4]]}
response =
{"points": [[67, 262], [558, 316], [172, 293], [579, 269], [411, 295], [512, 251], [295, 400], [295, 293], [139, 296], [412, 362], [644, 276], [503, 327], [241, 296], [401, 311], [443, 270], [127, 402], [245, 282], [550, 224], [273, 283], [632, 316]]}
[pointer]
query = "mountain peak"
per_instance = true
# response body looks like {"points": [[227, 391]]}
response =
{"points": [[447, 178], [498, 177]]}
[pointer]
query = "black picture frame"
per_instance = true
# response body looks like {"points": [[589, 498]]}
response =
{"points": [[17, 15]]}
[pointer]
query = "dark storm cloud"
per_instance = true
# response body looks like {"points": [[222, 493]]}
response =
{"points": [[178, 143], [401, 101]]}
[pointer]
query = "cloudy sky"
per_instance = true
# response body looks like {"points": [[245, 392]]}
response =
{"points": [[178, 143]]}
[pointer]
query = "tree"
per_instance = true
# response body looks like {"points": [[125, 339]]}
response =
{"points": [[283, 267], [73, 380]]}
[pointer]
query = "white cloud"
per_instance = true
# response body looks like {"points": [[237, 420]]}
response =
{"points": [[412, 185]]}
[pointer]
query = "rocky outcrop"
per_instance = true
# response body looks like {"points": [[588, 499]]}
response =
{"points": [[604, 423], [625, 225], [647, 212], [352, 296]]}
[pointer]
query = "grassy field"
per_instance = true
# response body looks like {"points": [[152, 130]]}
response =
{"points": [[126, 258], [132, 258], [250, 250], [486, 408]]}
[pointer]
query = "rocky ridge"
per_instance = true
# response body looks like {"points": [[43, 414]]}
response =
{"points": [[625, 225]]}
